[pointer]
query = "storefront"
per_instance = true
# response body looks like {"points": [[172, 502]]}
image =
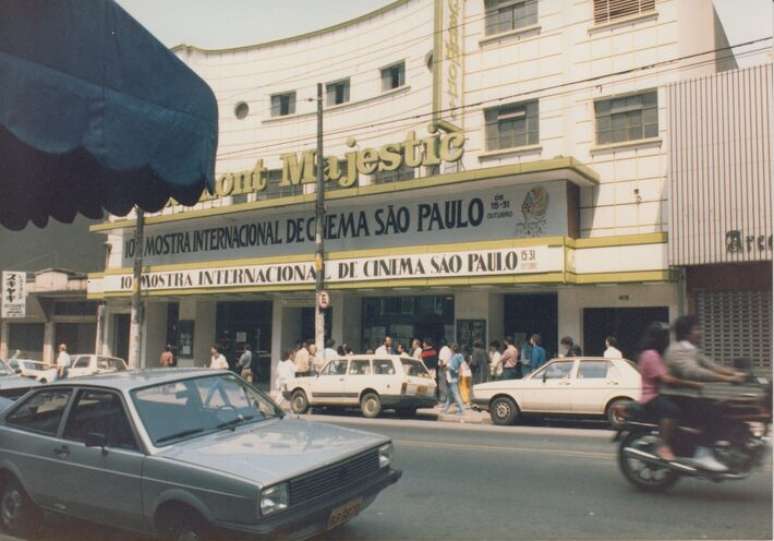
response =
{"points": [[722, 235]]}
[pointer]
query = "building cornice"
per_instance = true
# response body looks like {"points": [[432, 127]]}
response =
{"points": [[580, 174]]}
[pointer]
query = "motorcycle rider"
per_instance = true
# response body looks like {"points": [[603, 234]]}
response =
{"points": [[654, 374], [685, 361]]}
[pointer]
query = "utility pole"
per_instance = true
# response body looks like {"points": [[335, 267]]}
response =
{"points": [[135, 327], [319, 213]]}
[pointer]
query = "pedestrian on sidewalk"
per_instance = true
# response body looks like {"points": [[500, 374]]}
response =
{"points": [[430, 359], [416, 349], [612, 351], [286, 370], [303, 363], [399, 349], [217, 359], [245, 364], [62, 362], [330, 351], [167, 359], [466, 378], [386, 347], [316, 361], [444, 356], [511, 361], [452, 376], [538, 354], [569, 348], [495, 360], [479, 363]]}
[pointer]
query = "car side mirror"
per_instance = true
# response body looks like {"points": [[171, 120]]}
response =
{"points": [[95, 439]]}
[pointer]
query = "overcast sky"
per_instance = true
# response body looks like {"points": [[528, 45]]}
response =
{"points": [[230, 23]]}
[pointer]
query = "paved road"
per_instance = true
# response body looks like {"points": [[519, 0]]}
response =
{"points": [[494, 483]]}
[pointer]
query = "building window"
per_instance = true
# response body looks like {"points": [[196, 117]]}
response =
{"points": [[506, 15], [241, 110], [609, 10], [627, 118], [337, 92], [404, 172], [512, 125], [393, 76], [283, 104]]}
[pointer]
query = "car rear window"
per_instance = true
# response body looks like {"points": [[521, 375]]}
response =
{"points": [[412, 367]]}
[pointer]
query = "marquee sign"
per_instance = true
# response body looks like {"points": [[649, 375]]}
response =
{"points": [[457, 264], [490, 214]]}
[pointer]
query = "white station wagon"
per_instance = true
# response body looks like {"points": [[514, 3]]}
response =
{"points": [[371, 382], [583, 386]]}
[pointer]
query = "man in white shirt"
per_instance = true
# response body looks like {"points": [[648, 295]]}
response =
{"points": [[444, 356], [330, 351], [217, 360], [302, 360], [416, 349], [286, 370], [62, 361], [386, 347], [612, 352]]}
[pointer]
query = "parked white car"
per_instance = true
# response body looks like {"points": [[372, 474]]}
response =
{"points": [[583, 386], [371, 382], [37, 370], [87, 365]]}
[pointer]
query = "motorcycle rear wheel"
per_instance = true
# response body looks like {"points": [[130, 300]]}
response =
{"points": [[641, 474]]}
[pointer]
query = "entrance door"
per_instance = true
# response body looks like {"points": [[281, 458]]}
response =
{"points": [[626, 324], [121, 336], [528, 314]]}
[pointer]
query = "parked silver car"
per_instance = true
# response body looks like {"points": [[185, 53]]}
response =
{"points": [[181, 453]]}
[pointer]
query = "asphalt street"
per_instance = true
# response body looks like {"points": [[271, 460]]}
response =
{"points": [[485, 482]]}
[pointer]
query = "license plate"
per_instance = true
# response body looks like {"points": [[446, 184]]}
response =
{"points": [[344, 513]]}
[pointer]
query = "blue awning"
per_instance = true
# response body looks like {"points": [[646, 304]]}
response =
{"points": [[96, 113]]}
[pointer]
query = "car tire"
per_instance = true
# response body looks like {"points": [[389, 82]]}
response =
{"points": [[19, 515], [186, 525], [612, 412], [299, 403], [503, 411], [371, 405]]}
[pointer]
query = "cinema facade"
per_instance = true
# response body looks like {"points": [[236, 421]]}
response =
{"points": [[453, 210]]}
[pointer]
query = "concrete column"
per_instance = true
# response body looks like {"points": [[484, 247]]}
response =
{"points": [[4, 336], [49, 347], [100, 334], [155, 333], [276, 338], [204, 331]]}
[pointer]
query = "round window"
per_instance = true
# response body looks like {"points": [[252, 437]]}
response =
{"points": [[241, 110]]}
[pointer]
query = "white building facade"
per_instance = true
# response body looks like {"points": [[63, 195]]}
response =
{"points": [[493, 168]]}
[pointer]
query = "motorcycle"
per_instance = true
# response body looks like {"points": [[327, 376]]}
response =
{"points": [[742, 424]]}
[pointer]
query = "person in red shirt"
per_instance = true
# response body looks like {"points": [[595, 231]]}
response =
{"points": [[654, 374]]}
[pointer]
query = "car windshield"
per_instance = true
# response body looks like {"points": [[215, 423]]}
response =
{"points": [[108, 363], [412, 367], [175, 410]]}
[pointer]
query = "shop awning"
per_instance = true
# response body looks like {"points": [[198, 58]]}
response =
{"points": [[96, 114]]}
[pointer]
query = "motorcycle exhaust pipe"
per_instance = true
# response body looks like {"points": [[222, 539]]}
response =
{"points": [[650, 458]]}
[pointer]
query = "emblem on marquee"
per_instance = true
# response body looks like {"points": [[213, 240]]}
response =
{"points": [[533, 209]]}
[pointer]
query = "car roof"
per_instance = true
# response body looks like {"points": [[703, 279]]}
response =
{"points": [[133, 379]]}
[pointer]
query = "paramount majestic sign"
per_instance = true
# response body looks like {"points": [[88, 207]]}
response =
{"points": [[300, 167], [508, 261]]}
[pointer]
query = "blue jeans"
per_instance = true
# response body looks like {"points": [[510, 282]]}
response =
{"points": [[454, 390]]}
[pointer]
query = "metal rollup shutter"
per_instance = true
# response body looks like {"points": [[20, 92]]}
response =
{"points": [[736, 324]]}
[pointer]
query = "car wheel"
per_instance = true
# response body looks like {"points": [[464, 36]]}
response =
{"points": [[19, 515], [299, 403], [503, 411], [615, 412], [43, 380], [371, 405]]}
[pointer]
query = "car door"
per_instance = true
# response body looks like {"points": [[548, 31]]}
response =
{"points": [[80, 367], [548, 389], [592, 386], [95, 483], [29, 442], [359, 376], [329, 386]]}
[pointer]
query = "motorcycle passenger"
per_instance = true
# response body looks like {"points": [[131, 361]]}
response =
{"points": [[685, 361], [654, 374]]}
